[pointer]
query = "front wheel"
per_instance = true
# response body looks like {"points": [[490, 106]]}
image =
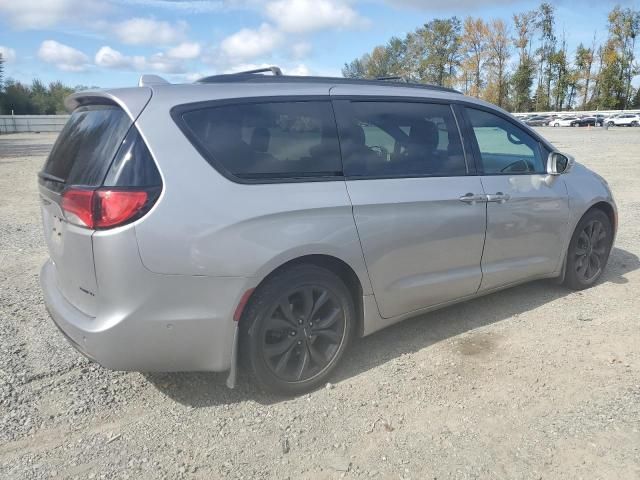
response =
{"points": [[588, 250], [299, 324], [611, 124]]}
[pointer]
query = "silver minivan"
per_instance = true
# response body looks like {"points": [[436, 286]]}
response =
{"points": [[270, 219]]}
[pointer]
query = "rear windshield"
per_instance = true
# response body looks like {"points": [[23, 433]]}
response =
{"points": [[87, 144], [268, 140]]}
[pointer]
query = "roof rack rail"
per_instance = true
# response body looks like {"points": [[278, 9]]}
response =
{"points": [[394, 77], [273, 69], [244, 77]]}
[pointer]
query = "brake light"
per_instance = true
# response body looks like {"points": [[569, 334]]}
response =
{"points": [[103, 208], [114, 207], [78, 207]]}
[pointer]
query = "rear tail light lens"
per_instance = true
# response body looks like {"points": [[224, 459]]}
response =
{"points": [[78, 207], [106, 208], [115, 207]]}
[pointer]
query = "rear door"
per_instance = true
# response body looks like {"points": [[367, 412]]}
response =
{"points": [[80, 157], [418, 208], [527, 210]]}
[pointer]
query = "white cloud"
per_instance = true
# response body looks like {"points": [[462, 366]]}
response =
{"points": [[186, 51], [190, 6], [34, 14], [247, 43], [63, 56], [108, 57], [147, 31], [301, 70], [299, 16], [8, 54], [300, 50]]}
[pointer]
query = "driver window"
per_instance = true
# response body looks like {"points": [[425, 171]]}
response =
{"points": [[504, 147]]}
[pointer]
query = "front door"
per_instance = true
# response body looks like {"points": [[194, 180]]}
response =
{"points": [[418, 210], [527, 210]]}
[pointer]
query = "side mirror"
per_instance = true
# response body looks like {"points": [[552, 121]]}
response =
{"points": [[558, 163]]}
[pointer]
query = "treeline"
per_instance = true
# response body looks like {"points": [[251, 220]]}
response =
{"points": [[34, 99], [522, 66]]}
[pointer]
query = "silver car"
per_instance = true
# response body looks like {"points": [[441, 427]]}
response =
{"points": [[272, 219]]}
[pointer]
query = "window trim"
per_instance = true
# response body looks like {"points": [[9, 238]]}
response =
{"points": [[343, 111], [178, 111], [476, 148]]}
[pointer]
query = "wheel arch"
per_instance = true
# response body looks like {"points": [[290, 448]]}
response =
{"points": [[335, 265], [609, 210]]}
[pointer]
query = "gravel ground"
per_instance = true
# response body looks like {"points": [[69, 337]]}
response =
{"points": [[534, 382]]}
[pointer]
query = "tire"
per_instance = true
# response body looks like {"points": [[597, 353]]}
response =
{"points": [[556, 124], [588, 244], [282, 347], [634, 124], [611, 124]]}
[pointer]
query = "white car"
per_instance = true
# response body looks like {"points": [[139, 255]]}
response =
{"points": [[626, 120], [563, 122]]}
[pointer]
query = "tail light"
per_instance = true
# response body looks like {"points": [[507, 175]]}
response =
{"points": [[131, 187], [104, 208]]}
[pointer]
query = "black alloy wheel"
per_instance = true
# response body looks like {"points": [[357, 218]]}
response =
{"points": [[303, 332], [297, 325], [589, 250]]}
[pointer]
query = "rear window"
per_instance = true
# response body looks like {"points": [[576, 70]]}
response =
{"points": [[87, 144], [262, 141]]}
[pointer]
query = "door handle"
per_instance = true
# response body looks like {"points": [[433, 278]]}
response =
{"points": [[473, 198], [498, 197]]}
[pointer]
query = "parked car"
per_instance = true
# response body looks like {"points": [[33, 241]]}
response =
{"points": [[586, 122], [538, 121], [564, 121], [624, 120], [274, 218]]}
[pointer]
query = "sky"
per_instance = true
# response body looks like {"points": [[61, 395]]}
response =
{"points": [[110, 43]]}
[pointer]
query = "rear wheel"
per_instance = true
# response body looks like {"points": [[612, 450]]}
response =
{"points": [[589, 250], [299, 324]]}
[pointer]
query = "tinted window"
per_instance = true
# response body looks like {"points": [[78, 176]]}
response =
{"points": [[504, 147], [87, 144], [387, 139], [269, 140], [133, 165]]}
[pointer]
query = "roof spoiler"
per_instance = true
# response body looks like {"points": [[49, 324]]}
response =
{"points": [[148, 80]]}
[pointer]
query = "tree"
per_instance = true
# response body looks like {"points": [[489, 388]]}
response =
{"points": [[356, 68], [473, 44], [583, 63], [499, 52], [1, 72], [434, 51], [35, 99], [522, 78], [546, 25], [384, 61]]}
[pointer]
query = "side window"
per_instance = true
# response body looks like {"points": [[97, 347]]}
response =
{"points": [[504, 147], [400, 139], [274, 140]]}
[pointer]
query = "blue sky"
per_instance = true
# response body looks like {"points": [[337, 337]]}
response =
{"points": [[109, 43]]}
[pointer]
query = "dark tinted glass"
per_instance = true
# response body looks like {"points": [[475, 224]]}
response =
{"points": [[387, 139], [133, 165], [87, 144], [504, 147], [269, 140]]}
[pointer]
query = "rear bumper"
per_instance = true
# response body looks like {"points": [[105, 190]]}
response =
{"points": [[165, 323]]}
